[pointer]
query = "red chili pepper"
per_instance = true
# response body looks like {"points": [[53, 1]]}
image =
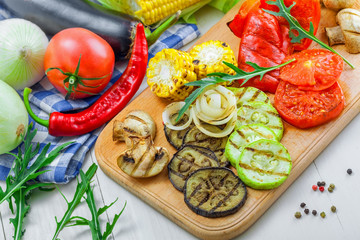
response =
{"points": [[109, 104]]}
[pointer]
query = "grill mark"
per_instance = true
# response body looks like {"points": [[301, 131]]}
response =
{"points": [[233, 144], [266, 153], [193, 164], [255, 95], [183, 177], [257, 132], [249, 107], [247, 167], [197, 188], [267, 100], [221, 202], [241, 134], [140, 161], [276, 127], [136, 118], [242, 94], [272, 113], [129, 130], [241, 118]]}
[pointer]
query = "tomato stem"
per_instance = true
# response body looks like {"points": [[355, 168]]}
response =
{"points": [[40, 121]]}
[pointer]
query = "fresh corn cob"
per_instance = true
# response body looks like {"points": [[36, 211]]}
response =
{"points": [[148, 11], [168, 72], [209, 57]]}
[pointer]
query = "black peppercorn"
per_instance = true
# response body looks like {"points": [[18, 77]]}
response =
{"points": [[349, 171], [302, 204], [306, 211], [314, 212]]}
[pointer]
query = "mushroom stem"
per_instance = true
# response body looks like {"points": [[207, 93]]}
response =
{"points": [[335, 35]]}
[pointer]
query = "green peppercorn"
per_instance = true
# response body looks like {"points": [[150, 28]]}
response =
{"points": [[332, 186], [322, 214], [298, 215], [333, 209], [330, 189]]}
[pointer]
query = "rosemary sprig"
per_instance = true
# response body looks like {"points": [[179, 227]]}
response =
{"points": [[295, 25], [215, 78]]}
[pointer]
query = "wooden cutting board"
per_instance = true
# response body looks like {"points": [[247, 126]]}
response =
{"points": [[304, 146]]}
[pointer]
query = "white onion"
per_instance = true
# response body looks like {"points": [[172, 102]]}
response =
{"points": [[13, 118], [22, 50], [171, 111]]}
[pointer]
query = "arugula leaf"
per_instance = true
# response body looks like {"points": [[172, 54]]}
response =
{"points": [[295, 25], [94, 224], [17, 186], [79, 193], [215, 78]]}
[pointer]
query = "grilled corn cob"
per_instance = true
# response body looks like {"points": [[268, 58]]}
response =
{"points": [[167, 73], [148, 11], [209, 57]]}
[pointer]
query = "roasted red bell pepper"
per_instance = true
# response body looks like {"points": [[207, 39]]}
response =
{"points": [[264, 42], [109, 104]]}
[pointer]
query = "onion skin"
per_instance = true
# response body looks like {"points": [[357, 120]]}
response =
{"points": [[22, 50], [13, 118]]}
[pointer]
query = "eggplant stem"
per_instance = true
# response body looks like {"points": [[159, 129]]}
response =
{"points": [[40, 121]]}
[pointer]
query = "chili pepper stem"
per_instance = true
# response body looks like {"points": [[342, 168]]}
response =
{"points": [[40, 121]]}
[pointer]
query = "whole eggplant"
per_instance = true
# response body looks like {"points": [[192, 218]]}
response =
{"points": [[53, 16]]}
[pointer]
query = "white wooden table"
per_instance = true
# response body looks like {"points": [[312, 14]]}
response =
{"points": [[141, 221]]}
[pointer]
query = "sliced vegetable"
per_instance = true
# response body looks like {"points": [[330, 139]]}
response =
{"points": [[314, 69], [339, 4], [305, 12], [264, 42], [300, 32], [174, 137], [214, 192], [264, 164], [137, 123], [305, 109], [349, 21], [243, 136], [187, 160], [13, 118], [79, 63], [143, 160], [248, 94], [259, 112], [168, 72], [170, 114], [108, 105], [209, 56], [22, 50], [195, 137]]}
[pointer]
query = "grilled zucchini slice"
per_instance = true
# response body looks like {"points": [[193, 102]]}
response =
{"points": [[249, 94], [214, 192], [259, 112], [195, 137], [188, 159], [243, 136], [264, 164]]}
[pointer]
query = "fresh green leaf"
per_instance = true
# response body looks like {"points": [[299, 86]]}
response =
{"points": [[110, 226], [106, 207], [295, 26], [79, 193], [21, 209], [224, 5], [216, 78], [94, 224]]}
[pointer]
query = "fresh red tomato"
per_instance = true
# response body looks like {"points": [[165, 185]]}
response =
{"points": [[305, 11], [314, 69], [97, 61], [237, 24], [305, 109]]}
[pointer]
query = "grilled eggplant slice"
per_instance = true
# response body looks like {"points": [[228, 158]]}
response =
{"points": [[143, 159], [195, 137], [214, 192], [264, 164], [174, 137], [188, 159], [243, 136], [259, 112], [249, 94]]}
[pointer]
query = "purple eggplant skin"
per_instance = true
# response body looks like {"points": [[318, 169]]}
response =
{"points": [[52, 16], [211, 213]]}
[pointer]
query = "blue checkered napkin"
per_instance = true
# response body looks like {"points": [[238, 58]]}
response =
{"points": [[46, 99]]}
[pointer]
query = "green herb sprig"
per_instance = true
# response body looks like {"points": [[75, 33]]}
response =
{"points": [[18, 187], [215, 78], [94, 224], [295, 25]]}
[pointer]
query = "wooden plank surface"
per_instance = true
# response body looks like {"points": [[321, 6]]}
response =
{"points": [[303, 145]]}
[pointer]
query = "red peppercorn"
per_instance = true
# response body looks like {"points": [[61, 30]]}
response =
{"points": [[314, 187], [321, 188]]}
